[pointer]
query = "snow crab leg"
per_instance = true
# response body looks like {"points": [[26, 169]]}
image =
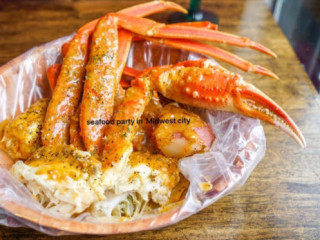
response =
{"points": [[214, 52], [118, 138], [100, 83], [181, 36], [66, 96]]}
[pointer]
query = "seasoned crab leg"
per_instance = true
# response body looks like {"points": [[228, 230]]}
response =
{"points": [[119, 136], [201, 84], [66, 96], [100, 83]]}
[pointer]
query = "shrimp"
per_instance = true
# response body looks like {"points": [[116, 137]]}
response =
{"points": [[187, 135]]}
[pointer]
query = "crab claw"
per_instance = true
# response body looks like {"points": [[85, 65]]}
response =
{"points": [[254, 103], [202, 84]]}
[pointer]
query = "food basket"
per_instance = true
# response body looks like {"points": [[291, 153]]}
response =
{"points": [[240, 145]]}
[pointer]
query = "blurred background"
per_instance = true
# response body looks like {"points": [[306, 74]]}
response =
{"points": [[300, 22]]}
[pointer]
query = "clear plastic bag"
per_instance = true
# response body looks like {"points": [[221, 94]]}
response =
{"points": [[239, 147]]}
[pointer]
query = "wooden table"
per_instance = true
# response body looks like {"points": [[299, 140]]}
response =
{"points": [[281, 199]]}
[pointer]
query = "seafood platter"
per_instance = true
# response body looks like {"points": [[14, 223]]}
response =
{"points": [[129, 124]]}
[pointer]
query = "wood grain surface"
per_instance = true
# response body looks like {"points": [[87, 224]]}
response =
{"points": [[281, 199]]}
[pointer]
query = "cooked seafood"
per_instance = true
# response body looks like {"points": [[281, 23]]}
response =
{"points": [[98, 98], [68, 90], [108, 169], [186, 135], [66, 96], [20, 137], [62, 178], [67, 180], [147, 177]]}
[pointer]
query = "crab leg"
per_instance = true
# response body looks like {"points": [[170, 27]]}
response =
{"points": [[66, 96], [151, 28], [214, 52], [101, 82], [119, 136], [209, 50], [140, 10], [201, 84], [203, 24]]}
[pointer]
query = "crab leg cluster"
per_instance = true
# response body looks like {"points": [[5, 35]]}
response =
{"points": [[69, 87], [197, 83]]}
